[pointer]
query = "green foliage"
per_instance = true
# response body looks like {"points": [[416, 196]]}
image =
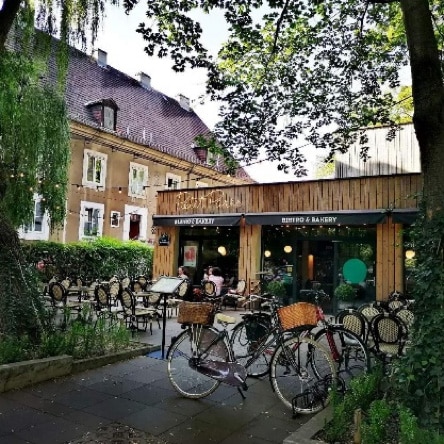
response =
{"points": [[101, 258], [420, 374], [375, 429], [276, 288], [345, 292], [34, 149]]}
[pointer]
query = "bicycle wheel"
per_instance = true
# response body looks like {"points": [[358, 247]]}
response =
{"points": [[293, 377], [247, 339], [347, 350], [188, 381]]}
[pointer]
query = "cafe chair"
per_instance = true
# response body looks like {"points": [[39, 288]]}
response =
{"points": [[389, 337], [105, 307], [234, 296], [370, 310], [136, 318], [209, 289], [355, 322], [60, 302], [406, 316]]}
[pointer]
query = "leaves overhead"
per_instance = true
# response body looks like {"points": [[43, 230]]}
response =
{"points": [[290, 72]]}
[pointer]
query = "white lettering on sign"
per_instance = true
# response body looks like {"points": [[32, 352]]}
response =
{"points": [[309, 220], [195, 221]]}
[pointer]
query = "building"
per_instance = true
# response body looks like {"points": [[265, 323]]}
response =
{"points": [[129, 142], [306, 232]]}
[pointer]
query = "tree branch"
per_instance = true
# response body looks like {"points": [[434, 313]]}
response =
{"points": [[278, 26], [8, 12]]}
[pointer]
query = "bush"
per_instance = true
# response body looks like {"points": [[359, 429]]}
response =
{"points": [[101, 258]]}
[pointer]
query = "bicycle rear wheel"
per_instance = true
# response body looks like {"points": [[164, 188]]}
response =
{"points": [[190, 344], [247, 339], [348, 352], [293, 377]]}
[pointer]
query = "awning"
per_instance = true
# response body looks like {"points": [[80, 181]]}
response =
{"points": [[352, 217], [198, 220], [404, 216]]}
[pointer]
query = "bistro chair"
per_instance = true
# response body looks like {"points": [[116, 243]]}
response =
{"points": [[105, 307], [355, 322], [389, 337], [234, 296], [136, 318], [406, 316], [209, 289], [370, 310], [60, 301]]}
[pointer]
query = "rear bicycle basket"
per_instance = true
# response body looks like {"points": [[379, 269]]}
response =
{"points": [[196, 313], [298, 315]]}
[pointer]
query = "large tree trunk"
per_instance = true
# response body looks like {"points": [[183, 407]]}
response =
{"points": [[428, 97], [8, 12]]}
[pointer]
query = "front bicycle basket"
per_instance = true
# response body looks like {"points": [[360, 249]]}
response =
{"points": [[196, 313], [298, 315]]}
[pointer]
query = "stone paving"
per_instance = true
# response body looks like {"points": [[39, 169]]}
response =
{"points": [[134, 402]]}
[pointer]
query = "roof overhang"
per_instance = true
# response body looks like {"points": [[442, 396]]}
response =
{"points": [[198, 220]]}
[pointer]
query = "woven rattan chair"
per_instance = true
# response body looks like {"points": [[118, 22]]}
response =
{"points": [[105, 306], [406, 316], [370, 310], [354, 321], [209, 289], [136, 318], [234, 296], [389, 336]]}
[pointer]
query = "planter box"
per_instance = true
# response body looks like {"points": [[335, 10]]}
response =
{"points": [[22, 374]]}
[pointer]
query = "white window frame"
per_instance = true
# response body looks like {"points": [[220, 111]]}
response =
{"points": [[143, 212], [115, 217], [84, 206], [87, 154], [200, 184], [174, 178], [137, 188], [28, 232]]}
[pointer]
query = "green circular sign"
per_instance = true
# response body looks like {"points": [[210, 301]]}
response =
{"points": [[354, 271]]}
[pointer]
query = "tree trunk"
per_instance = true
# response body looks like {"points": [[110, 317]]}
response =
{"points": [[428, 97], [8, 12]]}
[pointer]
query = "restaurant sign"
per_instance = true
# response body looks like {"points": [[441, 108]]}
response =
{"points": [[198, 220], [317, 218]]}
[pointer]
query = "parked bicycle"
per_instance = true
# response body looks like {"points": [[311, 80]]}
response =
{"points": [[254, 338], [202, 356]]}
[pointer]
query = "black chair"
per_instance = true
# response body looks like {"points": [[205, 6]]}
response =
{"points": [[136, 318], [208, 289], [389, 336], [355, 322]]}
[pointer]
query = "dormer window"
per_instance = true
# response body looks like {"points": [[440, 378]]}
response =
{"points": [[104, 112]]}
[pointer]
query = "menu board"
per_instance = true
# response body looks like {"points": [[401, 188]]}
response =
{"points": [[166, 285]]}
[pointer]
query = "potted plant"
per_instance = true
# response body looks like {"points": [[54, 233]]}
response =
{"points": [[277, 289], [345, 293]]}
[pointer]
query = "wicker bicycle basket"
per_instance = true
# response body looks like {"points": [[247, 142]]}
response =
{"points": [[196, 313], [297, 315]]}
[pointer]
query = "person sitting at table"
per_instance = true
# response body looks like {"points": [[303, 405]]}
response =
{"points": [[216, 277]]}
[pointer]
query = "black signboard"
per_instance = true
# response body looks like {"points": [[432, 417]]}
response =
{"points": [[317, 218], [198, 220]]}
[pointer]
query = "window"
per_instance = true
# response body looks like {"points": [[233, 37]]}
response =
{"points": [[94, 169], [91, 219], [200, 184], [38, 228], [172, 182], [109, 120], [138, 180], [115, 219]]}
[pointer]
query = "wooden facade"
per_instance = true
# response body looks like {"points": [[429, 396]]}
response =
{"points": [[384, 194]]}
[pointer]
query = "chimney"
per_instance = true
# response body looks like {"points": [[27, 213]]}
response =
{"points": [[101, 58], [144, 80], [184, 102]]}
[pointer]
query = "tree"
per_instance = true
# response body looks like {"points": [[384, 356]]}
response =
{"points": [[34, 141], [320, 71]]}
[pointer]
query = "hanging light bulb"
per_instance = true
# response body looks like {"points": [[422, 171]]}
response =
{"points": [[288, 248], [267, 253], [222, 250], [409, 254]]}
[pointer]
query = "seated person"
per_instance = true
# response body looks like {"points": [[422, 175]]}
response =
{"points": [[216, 277]]}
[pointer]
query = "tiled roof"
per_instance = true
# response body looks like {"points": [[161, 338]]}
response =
{"points": [[145, 116]]}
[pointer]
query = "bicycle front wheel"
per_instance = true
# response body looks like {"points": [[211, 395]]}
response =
{"points": [[248, 346], [348, 352], [294, 379], [191, 346]]}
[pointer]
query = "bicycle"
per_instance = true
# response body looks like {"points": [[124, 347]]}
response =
{"points": [[202, 357], [254, 338]]}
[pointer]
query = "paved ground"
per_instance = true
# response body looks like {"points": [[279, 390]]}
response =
{"points": [[133, 402]]}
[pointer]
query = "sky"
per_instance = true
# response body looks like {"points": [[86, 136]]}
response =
{"points": [[125, 52]]}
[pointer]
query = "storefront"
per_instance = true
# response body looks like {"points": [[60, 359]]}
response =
{"points": [[304, 233]]}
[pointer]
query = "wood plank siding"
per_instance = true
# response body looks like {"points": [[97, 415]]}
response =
{"points": [[382, 193]]}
